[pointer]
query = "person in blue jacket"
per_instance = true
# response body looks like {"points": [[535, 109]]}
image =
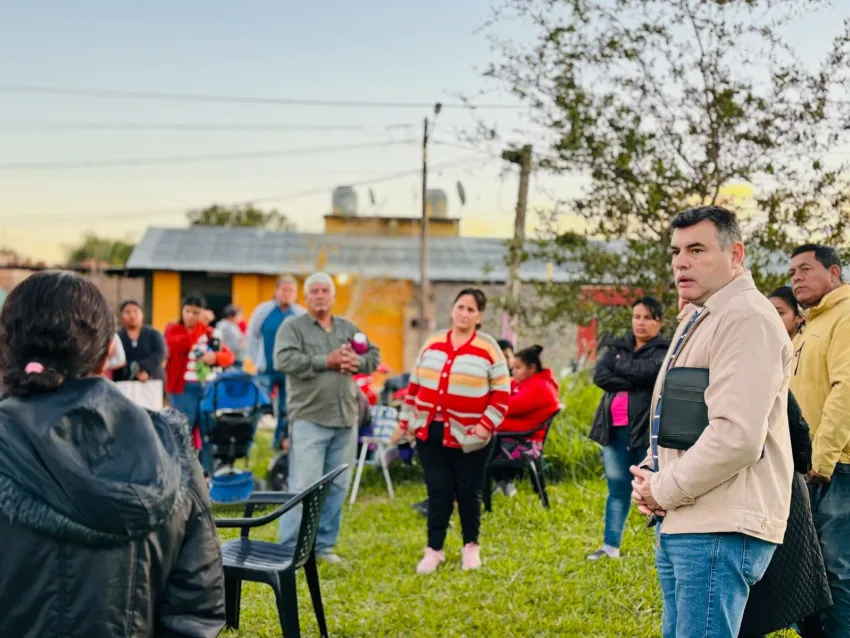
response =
{"points": [[259, 346]]}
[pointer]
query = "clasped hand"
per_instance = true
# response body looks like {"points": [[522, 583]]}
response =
{"points": [[344, 359], [642, 492]]}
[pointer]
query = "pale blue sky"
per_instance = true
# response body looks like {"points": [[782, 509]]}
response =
{"points": [[381, 50]]}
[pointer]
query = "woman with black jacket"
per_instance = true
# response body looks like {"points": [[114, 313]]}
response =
{"points": [[626, 372], [795, 586], [143, 345], [104, 514]]}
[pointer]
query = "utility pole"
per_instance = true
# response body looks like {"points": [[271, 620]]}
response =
{"points": [[522, 157], [424, 283]]}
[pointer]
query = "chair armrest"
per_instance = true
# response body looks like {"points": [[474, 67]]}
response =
{"points": [[251, 523], [519, 435], [271, 498], [284, 499]]}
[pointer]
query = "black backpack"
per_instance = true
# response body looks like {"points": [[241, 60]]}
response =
{"points": [[278, 472]]}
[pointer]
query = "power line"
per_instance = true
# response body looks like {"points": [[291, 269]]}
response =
{"points": [[51, 125], [253, 201], [188, 159], [232, 99]]}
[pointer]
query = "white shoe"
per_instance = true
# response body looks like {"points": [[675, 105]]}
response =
{"points": [[330, 558]]}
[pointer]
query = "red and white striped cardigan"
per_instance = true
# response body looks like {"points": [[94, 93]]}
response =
{"points": [[462, 387]]}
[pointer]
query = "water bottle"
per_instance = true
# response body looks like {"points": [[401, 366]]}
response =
{"points": [[359, 343]]}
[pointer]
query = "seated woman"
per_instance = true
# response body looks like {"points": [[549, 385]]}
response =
{"points": [[104, 514], [534, 399]]}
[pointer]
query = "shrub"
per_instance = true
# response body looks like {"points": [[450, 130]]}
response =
{"points": [[570, 454]]}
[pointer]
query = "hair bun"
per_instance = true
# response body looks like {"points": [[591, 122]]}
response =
{"points": [[23, 383], [536, 349]]}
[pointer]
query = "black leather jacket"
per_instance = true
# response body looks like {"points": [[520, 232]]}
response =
{"points": [[106, 528]]}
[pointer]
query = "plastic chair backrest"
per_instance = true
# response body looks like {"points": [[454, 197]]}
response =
{"points": [[547, 424], [384, 421], [312, 501]]}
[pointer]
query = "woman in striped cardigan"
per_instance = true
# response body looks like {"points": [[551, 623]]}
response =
{"points": [[458, 394]]}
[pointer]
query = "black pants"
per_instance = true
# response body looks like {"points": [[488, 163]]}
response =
{"points": [[451, 474]]}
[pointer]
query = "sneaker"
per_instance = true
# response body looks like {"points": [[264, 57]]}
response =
{"points": [[509, 490], [430, 562], [330, 558], [604, 552], [471, 556], [422, 508]]}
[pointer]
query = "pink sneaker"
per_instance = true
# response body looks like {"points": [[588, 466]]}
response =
{"points": [[471, 556], [430, 562]]}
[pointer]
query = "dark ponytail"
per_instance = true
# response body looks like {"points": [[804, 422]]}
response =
{"points": [[531, 357], [54, 326]]}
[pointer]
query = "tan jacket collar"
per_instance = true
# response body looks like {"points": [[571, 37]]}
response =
{"points": [[743, 281]]}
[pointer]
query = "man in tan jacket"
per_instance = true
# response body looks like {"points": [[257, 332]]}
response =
{"points": [[725, 501]]}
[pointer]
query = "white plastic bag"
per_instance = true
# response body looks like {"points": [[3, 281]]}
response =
{"points": [[147, 394]]}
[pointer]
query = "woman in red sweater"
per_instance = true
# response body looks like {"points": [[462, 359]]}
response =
{"points": [[534, 399], [188, 343], [458, 394]]}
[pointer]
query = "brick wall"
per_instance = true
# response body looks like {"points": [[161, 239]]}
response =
{"points": [[115, 289]]}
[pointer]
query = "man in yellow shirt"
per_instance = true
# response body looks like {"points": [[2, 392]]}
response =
{"points": [[821, 383]]}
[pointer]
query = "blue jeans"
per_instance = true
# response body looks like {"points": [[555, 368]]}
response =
{"points": [[188, 403], [705, 581], [831, 512], [314, 451], [617, 458], [269, 381]]}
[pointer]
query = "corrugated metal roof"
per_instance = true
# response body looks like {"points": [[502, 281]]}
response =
{"points": [[258, 251], [251, 250]]}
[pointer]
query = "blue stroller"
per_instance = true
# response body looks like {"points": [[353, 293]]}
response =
{"points": [[230, 409]]}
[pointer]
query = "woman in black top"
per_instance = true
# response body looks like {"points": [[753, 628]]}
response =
{"points": [[143, 345], [626, 372]]}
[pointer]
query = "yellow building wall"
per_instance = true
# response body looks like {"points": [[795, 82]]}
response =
{"points": [[378, 307], [246, 292], [165, 299]]}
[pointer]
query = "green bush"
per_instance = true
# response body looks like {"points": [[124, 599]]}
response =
{"points": [[570, 455]]}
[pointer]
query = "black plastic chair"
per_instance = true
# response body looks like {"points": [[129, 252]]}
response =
{"points": [[274, 564], [534, 466]]}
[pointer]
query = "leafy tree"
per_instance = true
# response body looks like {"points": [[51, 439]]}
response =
{"points": [[238, 216], [662, 105], [99, 251]]}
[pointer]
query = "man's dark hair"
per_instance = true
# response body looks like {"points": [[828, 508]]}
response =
{"points": [[725, 221], [653, 305], [61, 323], [194, 299], [504, 344], [826, 255]]}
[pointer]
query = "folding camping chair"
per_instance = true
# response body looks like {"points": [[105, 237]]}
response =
{"points": [[384, 422]]}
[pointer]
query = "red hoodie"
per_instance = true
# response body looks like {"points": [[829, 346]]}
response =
{"points": [[179, 341], [532, 402]]}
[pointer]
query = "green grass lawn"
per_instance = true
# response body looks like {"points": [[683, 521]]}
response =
{"points": [[535, 580]]}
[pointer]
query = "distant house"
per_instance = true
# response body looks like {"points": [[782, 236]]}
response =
{"points": [[375, 262]]}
